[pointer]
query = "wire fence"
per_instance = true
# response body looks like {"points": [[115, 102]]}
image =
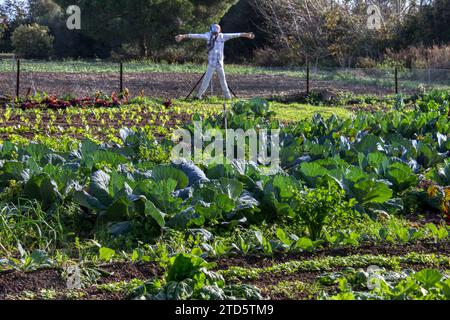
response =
{"points": [[82, 78]]}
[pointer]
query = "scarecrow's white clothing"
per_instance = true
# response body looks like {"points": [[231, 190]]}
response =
{"points": [[216, 55], [215, 61], [207, 80]]}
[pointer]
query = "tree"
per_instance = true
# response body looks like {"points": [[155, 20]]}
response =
{"points": [[430, 25], [333, 31], [15, 10], [32, 41], [148, 24], [310, 29], [16, 13], [242, 17], [3, 26], [67, 43], [44, 12]]}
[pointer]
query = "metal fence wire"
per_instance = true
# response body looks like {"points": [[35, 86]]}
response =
{"points": [[7, 76], [77, 78], [62, 78]]}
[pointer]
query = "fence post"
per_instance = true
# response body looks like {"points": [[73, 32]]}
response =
{"points": [[396, 80], [18, 79], [225, 117], [121, 77], [307, 77]]}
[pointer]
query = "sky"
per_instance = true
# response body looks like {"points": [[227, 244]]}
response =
{"points": [[3, 1]]}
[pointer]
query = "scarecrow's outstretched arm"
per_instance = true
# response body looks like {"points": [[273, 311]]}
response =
{"points": [[181, 37], [229, 36]]}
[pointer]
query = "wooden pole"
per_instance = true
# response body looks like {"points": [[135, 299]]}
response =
{"points": [[195, 86], [232, 92], [307, 77], [18, 79], [396, 80], [121, 77], [225, 117]]}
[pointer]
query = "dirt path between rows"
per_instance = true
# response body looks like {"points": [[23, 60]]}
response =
{"points": [[172, 85], [16, 283], [442, 248]]}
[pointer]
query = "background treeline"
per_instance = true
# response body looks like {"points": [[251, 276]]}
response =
{"points": [[109, 28], [415, 33]]}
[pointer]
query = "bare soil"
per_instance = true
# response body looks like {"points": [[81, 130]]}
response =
{"points": [[266, 281], [14, 283], [442, 248], [17, 282], [172, 85]]}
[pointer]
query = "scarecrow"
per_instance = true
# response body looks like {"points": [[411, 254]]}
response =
{"points": [[215, 45]]}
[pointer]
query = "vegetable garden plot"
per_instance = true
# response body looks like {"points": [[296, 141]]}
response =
{"points": [[175, 82], [347, 190], [7, 76], [161, 85], [66, 84], [244, 86], [369, 81], [35, 123], [7, 88]]}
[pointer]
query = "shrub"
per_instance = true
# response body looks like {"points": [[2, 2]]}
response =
{"points": [[32, 41], [180, 54], [125, 52], [269, 57], [436, 57], [366, 63]]}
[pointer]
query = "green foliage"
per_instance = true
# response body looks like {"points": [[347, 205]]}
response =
{"points": [[166, 173], [317, 208], [427, 284], [32, 41], [27, 261], [256, 107], [106, 254], [188, 278], [27, 223], [147, 26], [379, 160], [441, 174], [342, 183]]}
